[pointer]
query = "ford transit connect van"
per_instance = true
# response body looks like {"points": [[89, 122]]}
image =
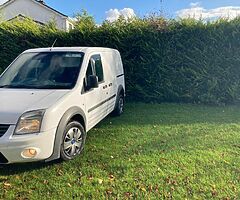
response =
{"points": [[50, 98]]}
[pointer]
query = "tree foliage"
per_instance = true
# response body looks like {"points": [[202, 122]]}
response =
{"points": [[165, 60]]}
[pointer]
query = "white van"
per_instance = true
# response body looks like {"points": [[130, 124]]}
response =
{"points": [[50, 98]]}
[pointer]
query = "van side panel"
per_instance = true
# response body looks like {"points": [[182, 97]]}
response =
{"points": [[113, 63], [118, 64], [119, 71], [110, 79]]}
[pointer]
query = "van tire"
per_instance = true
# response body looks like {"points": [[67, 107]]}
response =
{"points": [[119, 109], [73, 141]]}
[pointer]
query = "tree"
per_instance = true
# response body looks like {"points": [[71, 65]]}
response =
{"points": [[84, 21]]}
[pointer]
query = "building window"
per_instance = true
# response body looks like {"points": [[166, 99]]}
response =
{"points": [[70, 26]]}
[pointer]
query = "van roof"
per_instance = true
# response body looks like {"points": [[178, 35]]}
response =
{"points": [[59, 49]]}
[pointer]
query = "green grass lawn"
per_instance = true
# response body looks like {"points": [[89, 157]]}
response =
{"points": [[151, 152]]}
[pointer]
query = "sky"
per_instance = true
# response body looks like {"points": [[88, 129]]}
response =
{"points": [[112, 9]]}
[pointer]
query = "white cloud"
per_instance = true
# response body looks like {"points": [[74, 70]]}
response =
{"points": [[2, 1], [198, 12], [195, 4], [114, 14]]}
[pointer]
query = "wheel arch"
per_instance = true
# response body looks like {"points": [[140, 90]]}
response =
{"points": [[119, 92], [72, 114]]}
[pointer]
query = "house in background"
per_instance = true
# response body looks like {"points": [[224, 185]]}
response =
{"points": [[36, 10]]}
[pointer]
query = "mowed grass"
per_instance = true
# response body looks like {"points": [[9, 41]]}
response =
{"points": [[165, 151]]}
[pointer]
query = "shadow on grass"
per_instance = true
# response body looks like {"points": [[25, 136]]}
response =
{"points": [[174, 114], [19, 168]]}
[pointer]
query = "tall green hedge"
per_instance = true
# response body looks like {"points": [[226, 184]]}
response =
{"points": [[165, 60]]}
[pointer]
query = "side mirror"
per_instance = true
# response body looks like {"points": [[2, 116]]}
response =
{"points": [[92, 81]]}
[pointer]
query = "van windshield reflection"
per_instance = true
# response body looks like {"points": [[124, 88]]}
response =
{"points": [[45, 70]]}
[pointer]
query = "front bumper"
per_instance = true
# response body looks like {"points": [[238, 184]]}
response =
{"points": [[11, 147]]}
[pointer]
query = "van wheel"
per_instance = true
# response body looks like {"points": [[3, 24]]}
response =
{"points": [[119, 106], [73, 141]]}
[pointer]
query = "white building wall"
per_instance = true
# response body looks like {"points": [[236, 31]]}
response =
{"points": [[33, 10]]}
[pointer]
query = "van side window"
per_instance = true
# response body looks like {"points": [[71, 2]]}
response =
{"points": [[98, 67], [89, 70], [94, 68], [88, 73]]}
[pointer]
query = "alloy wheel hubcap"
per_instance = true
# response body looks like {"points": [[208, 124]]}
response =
{"points": [[73, 142]]}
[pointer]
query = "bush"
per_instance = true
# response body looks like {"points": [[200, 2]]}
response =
{"points": [[165, 60]]}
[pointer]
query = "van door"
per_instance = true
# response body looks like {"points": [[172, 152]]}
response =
{"points": [[109, 65], [95, 98]]}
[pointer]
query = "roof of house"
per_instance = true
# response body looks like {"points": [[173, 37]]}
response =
{"points": [[38, 2]]}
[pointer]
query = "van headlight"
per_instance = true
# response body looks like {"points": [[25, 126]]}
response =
{"points": [[29, 122]]}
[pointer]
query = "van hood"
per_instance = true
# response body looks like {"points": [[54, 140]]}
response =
{"points": [[15, 102]]}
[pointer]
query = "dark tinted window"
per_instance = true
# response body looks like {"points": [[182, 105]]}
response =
{"points": [[98, 67], [88, 73], [94, 68], [45, 70], [89, 70]]}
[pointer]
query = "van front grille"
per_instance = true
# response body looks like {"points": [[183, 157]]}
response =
{"points": [[3, 129]]}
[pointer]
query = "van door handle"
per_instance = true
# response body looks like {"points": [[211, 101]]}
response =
{"points": [[105, 87], [110, 84]]}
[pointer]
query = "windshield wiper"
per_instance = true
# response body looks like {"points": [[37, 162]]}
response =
{"points": [[36, 86], [17, 86], [53, 87], [5, 86]]}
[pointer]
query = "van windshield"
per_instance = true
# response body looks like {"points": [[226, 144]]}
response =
{"points": [[45, 70]]}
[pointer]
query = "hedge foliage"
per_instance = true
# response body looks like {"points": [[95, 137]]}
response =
{"points": [[165, 60]]}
